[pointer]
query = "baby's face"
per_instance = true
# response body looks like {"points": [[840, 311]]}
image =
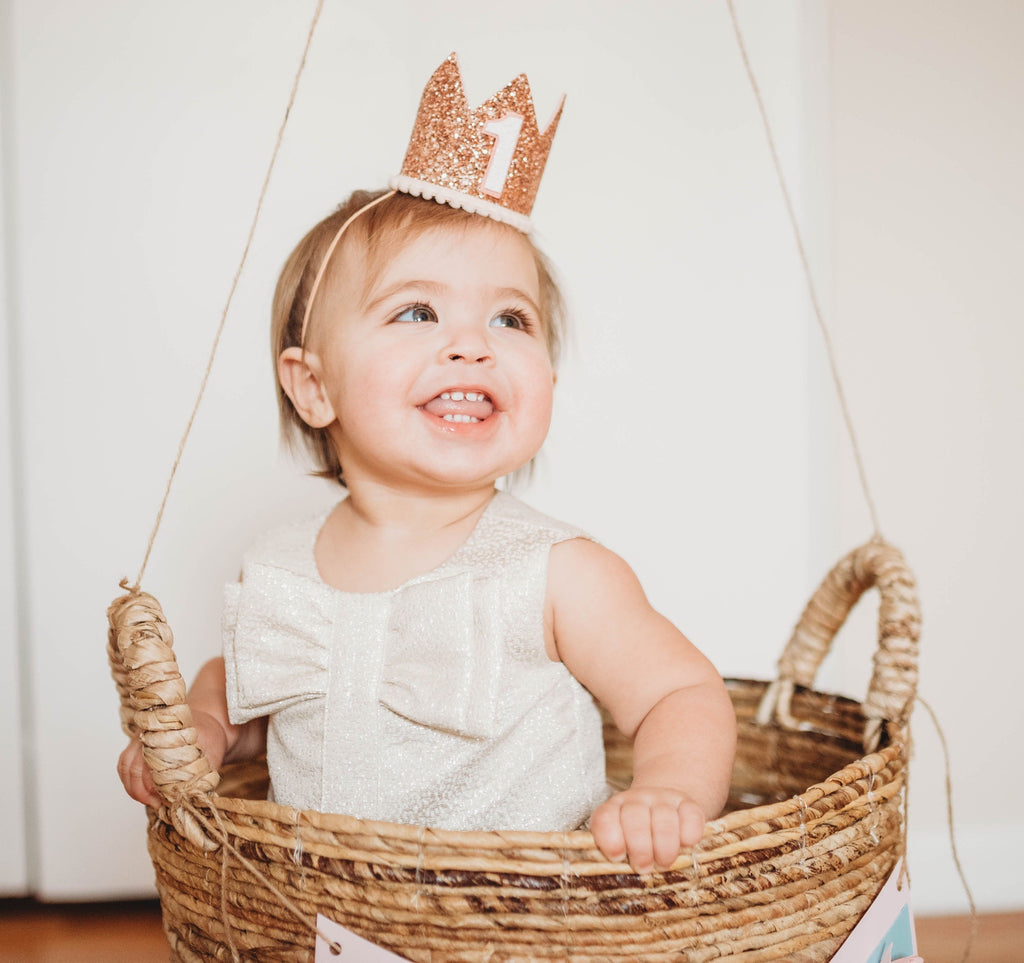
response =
{"points": [[438, 375]]}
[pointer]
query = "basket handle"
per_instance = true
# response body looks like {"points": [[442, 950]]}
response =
{"points": [[153, 706], [894, 680]]}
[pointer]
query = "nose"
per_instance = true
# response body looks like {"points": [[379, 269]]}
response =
{"points": [[467, 343], [472, 357]]}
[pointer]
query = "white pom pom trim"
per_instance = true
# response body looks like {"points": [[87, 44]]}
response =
{"points": [[465, 202]]}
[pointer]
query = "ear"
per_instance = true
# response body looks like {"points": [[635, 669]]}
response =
{"points": [[300, 375]]}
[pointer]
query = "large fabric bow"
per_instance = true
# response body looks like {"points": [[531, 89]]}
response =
{"points": [[288, 617], [443, 655]]}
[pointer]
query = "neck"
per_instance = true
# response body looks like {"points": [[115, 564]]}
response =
{"points": [[378, 538], [406, 513]]}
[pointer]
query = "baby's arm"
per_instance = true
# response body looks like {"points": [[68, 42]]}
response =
{"points": [[220, 740], [659, 689]]}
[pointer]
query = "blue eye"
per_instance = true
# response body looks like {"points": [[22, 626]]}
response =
{"points": [[509, 320], [417, 313]]}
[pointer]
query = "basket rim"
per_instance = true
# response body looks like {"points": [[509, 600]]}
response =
{"points": [[550, 852]]}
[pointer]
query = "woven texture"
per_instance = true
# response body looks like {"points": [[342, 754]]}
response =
{"points": [[812, 830]]}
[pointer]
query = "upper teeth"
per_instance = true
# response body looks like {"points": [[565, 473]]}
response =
{"points": [[462, 396]]}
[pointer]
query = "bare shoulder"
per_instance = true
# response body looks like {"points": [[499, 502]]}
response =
{"points": [[593, 595], [605, 631], [586, 582], [580, 567]]}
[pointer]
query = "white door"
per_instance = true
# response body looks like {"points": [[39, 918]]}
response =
{"points": [[13, 856], [13, 859]]}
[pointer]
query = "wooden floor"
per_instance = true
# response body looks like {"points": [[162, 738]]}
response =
{"points": [[131, 933]]}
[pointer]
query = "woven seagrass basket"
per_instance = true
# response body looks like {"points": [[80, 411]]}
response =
{"points": [[813, 827]]}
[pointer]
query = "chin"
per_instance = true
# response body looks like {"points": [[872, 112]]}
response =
{"points": [[454, 477]]}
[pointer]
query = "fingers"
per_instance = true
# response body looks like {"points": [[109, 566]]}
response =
{"points": [[607, 829], [666, 834], [691, 825], [638, 827], [135, 775], [649, 828]]}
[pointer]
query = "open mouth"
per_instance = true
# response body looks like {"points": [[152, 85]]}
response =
{"points": [[461, 406]]}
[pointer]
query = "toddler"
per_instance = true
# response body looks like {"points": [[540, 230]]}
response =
{"points": [[431, 650]]}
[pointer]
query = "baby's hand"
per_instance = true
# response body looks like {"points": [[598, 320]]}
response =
{"points": [[135, 773], [648, 826], [136, 777]]}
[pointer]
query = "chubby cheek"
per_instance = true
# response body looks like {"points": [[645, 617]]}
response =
{"points": [[535, 405], [367, 389]]}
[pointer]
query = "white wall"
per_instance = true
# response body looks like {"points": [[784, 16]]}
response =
{"points": [[928, 137], [681, 439], [695, 428]]}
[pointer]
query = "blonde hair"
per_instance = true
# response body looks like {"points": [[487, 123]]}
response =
{"points": [[382, 230]]}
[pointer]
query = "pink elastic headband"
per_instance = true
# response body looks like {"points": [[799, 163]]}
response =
{"points": [[327, 258]]}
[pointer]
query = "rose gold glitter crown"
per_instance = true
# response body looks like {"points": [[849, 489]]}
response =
{"points": [[489, 160]]}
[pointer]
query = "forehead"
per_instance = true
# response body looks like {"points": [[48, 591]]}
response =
{"points": [[469, 253]]}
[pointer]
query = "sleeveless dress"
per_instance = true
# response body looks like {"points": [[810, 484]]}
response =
{"points": [[434, 703]]}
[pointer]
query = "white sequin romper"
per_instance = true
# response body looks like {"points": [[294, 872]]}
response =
{"points": [[434, 703]]}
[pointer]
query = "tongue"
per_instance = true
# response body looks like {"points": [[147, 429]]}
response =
{"points": [[475, 409]]}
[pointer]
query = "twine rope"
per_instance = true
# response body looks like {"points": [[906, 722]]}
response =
{"points": [[224, 918], [221, 835], [973, 931], [231, 293], [808, 276], [905, 872]]}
